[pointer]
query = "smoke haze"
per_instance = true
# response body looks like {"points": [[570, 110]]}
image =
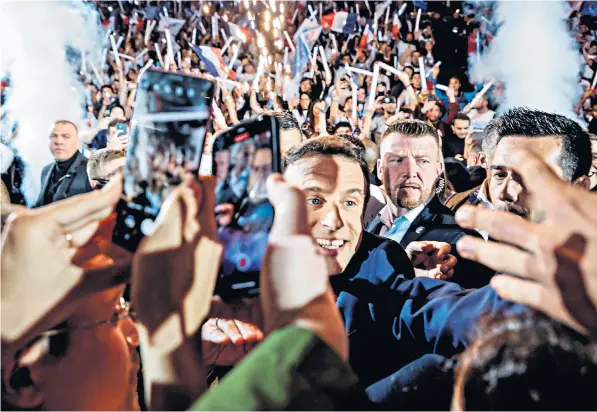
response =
{"points": [[534, 55], [45, 87]]}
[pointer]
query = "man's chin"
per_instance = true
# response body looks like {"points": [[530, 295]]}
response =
{"points": [[334, 268], [409, 202]]}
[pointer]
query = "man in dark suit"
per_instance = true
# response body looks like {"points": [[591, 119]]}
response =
{"points": [[410, 167], [365, 270], [560, 141], [67, 175]]}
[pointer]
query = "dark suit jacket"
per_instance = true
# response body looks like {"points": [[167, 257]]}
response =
{"points": [[437, 223], [73, 183], [393, 319]]}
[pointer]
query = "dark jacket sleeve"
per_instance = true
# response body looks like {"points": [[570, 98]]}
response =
{"points": [[439, 317], [293, 369], [468, 273]]}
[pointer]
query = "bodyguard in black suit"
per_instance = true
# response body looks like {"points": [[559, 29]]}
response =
{"points": [[411, 169], [67, 175], [437, 223]]}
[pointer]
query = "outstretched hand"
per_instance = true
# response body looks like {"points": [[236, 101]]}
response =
{"points": [[554, 260]]}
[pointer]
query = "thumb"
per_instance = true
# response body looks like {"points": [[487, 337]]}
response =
{"points": [[290, 208]]}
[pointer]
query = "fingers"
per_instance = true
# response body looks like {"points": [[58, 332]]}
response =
{"points": [[443, 249], [212, 333], [78, 211], [191, 225], [448, 265], [249, 332], [237, 332], [534, 295], [421, 246], [207, 204], [498, 256], [230, 329], [540, 179], [442, 276], [503, 226], [290, 208]]}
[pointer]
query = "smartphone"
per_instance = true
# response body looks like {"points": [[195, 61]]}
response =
{"points": [[478, 135], [122, 129], [243, 158], [172, 115]]}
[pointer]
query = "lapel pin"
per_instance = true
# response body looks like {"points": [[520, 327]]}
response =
{"points": [[419, 230]]}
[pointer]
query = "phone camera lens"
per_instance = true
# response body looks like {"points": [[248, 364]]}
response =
{"points": [[129, 222], [147, 227]]}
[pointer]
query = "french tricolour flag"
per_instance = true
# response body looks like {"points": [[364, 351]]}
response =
{"points": [[340, 22], [242, 33], [214, 64], [395, 26]]}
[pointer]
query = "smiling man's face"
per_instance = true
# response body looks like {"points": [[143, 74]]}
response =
{"points": [[334, 187]]}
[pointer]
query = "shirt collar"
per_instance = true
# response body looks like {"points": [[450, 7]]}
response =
{"points": [[482, 195], [389, 213]]}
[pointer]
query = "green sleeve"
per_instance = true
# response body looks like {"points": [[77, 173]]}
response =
{"points": [[293, 369]]}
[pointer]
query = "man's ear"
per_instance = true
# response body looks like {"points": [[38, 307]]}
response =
{"points": [[21, 378], [584, 182], [94, 184], [380, 169]]}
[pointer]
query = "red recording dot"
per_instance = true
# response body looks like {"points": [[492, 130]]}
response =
{"points": [[243, 262]]}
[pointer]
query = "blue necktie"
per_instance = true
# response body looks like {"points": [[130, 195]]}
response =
{"points": [[398, 229]]}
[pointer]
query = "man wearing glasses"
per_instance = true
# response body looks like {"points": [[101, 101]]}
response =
{"points": [[88, 362]]}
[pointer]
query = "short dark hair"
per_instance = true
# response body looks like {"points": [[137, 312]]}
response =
{"points": [[461, 116], [286, 120], [527, 362], [117, 106], [341, 124], [346, 146], [115, 122], [107, 86], [413, 128], [575, 159]]}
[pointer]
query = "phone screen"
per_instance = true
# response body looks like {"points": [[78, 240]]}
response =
{"points": [[121, 127], [243, 158], [172, 114]]}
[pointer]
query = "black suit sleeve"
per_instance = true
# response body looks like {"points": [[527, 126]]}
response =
{"points": [[469, 274]]}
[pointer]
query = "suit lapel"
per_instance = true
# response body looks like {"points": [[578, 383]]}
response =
{"points": [[418, 228], [44, 186], [68, 179], [421, 224]]}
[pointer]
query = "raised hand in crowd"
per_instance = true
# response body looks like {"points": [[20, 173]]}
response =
{"points": [[171, 309], [549, 264], [53, 257]]}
